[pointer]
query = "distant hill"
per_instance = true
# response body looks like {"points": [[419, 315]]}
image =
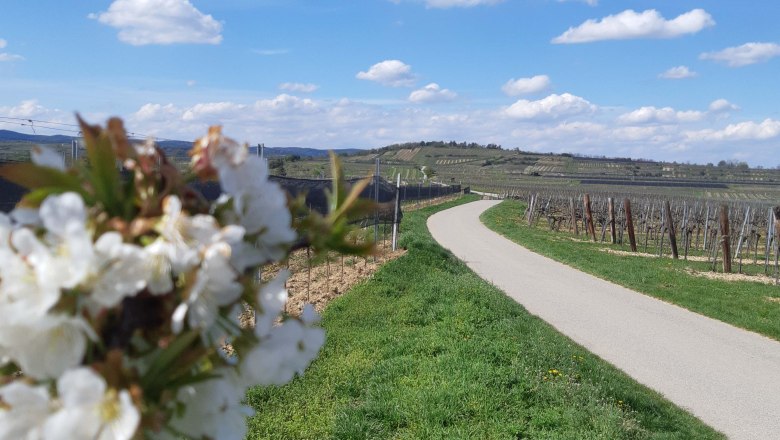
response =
{"points": [[12, 136]]}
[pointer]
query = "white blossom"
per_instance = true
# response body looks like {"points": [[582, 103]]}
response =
{"points": [[47, 157], [173, 229], [24, 292], [287, 349], [89, 410], [259, 205], [158, 267], [213, 408], [6, 226], [25, 216], [59, 212], [271, 298], [47, 346], [121, 270], [215, 286], [70, 255], [25, 411]]}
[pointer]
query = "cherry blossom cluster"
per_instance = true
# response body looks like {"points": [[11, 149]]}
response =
{"points": [[119, 291]]}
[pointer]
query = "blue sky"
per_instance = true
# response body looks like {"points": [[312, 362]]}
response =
{"points": [[684, 80]]}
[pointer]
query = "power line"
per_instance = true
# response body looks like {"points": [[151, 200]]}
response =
{"points": [[31, 123]]}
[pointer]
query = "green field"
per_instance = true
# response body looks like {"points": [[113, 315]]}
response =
{"points": [[427, 350]]}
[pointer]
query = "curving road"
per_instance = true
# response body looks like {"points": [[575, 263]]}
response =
{"points": [[726, 376]]}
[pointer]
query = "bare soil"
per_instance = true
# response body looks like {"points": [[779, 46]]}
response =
{"points": [[734, 277]]}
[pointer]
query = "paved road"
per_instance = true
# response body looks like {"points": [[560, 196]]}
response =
{"points": [[728, 377]]}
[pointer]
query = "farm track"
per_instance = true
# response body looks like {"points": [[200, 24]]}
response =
{"points": [[726, 376]]}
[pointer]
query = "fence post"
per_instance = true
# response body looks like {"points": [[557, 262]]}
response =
{"points": [[589, 216], [376, 200], [573, 216], [724, 233], [741, 241], [612, 219], [777, 242], [670, 226], [395, 212], [770, 223], [630, 224]]}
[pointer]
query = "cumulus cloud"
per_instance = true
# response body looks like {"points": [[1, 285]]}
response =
{"points": [[721, 106], [432, 93], [142, 22], [444, 4], [30, 108], [748, 53], [748, 130], [10, 57], [588, 2], [630, 24], [4, 56], [654, 115], [679, 72], [298, 87], [525, 86], [551, 107], [459, 3], [393, 73], [271, 52]]}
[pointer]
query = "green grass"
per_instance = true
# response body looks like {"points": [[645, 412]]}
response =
{"points": [[427, 350], [743, 304]]}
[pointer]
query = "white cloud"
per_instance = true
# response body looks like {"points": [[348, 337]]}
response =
{"points": [[748, 53], [721, 106], [588, 2], [630, 24], [142, 22], [10, 57], [26, 109], [432, 93], [525, 86], [679, 72], [748, 130], [150, 112], [4, 56], [654, 115], [551, 107], [459, 3], [191, 83], [298, 87], [392, 73], [271, 52], [580, 127], [444, 4]]}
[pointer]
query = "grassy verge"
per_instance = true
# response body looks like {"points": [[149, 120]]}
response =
{"points": [[428, 350], [749, 305]]}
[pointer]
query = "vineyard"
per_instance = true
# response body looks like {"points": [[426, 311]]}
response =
{"points": [[725, 234]]}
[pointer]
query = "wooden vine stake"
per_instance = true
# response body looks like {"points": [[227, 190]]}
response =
{"points": [[630, 224], [611, 203], [589, 216], [724, 234], [670, 227], [777, 241], [573, 216]]}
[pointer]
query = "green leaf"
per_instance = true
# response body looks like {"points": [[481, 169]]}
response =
{"points": [[31, 176], [35, 197], [166, 361], [103, 172]]}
